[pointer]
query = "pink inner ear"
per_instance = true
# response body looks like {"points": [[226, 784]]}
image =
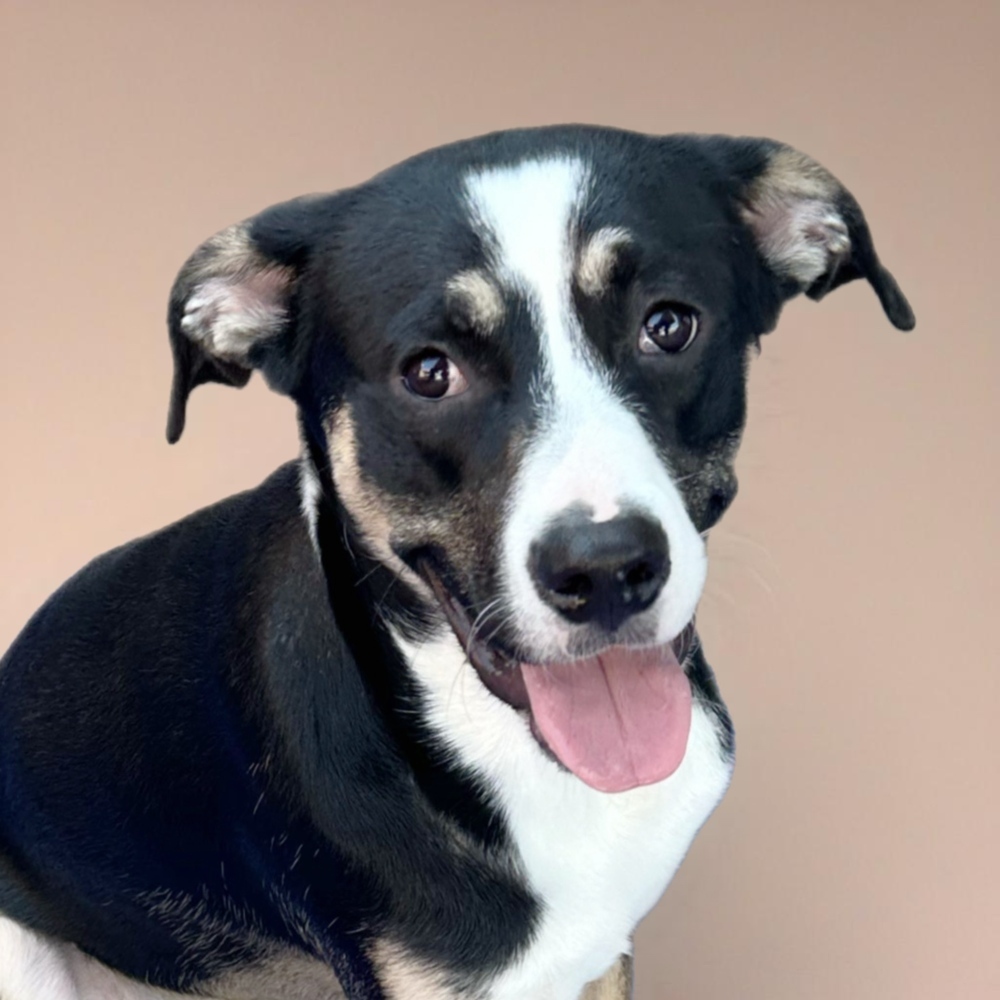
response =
{"points": [[800, 237], [228, 315]]}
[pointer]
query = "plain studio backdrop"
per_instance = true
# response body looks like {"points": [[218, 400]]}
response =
{"points": [[851, 607]]}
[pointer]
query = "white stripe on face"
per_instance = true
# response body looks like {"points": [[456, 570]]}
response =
{"points": [[590, 449]]}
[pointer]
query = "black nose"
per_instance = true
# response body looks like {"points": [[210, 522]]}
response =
{"points": [[600, 573]]}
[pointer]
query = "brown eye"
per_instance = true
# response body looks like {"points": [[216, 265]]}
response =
{"points": [[670, 327], [434, 375]]}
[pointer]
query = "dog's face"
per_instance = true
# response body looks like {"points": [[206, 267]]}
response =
{"points": [[523, 359]]}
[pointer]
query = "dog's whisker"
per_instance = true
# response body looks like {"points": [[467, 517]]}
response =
{"points": [[457, 680], [761, 580], [713, 591], [347, 541], [376, 565], [505, 620], [728, 534], [379, 608], [481, 619], [684, 479]]}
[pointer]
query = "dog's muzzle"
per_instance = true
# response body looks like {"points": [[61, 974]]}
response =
{"points": [[617, 719]]}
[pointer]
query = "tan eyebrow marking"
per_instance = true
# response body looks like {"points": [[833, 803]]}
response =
{"points": [[597, 258], [480, 297]]}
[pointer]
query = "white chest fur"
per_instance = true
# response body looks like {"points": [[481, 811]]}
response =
{"points": [[598, 862]]}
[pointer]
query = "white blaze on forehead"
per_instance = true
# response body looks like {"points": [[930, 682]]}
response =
{"points": [[528, 210]]}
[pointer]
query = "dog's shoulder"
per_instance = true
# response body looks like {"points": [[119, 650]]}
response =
{"points": [[120, 694], [211, 555]]}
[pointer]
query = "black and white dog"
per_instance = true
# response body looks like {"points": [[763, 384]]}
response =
{"points": [[424, 715]]}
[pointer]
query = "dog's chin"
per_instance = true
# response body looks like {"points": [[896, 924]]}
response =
{"points": [[617, 716]]}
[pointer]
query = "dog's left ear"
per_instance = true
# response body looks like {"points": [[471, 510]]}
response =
{"points": [[231, 305], [808, 227]]}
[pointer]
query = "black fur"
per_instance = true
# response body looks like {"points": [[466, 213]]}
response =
{"points": [[208, 742]]}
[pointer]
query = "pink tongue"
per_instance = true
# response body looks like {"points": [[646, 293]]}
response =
{"points": [[617, 720]]}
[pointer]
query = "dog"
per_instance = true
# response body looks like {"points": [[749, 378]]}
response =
{"points": [[424, 715]]}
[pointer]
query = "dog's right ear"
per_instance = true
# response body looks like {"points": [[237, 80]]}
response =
{"points": [[230, 307]]}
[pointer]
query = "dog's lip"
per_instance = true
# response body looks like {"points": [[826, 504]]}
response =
{"points": [[499, 671]]}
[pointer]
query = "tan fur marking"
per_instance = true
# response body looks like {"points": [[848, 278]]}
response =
{"points": [[480, 297], [229, 252], [404, 978], [289, 976], [360, 499], [792, 210], [363, 501], [615, 984], [235, 295], [794, 173], [597, 259]]}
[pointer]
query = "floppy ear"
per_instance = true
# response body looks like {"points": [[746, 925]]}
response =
{"points": [[231, 305], [808, 228]]}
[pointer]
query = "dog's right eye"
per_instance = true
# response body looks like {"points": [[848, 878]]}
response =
{"points": [[434, 375]]}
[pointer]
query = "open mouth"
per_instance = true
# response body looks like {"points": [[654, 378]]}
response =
{"points": [[617, 719]]}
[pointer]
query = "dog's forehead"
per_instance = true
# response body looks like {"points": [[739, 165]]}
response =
{"points": [[492, 222], [528, 215], [548, 225], [526, 210]]}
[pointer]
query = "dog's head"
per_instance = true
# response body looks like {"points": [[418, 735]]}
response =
{"points": [[522, 358]]}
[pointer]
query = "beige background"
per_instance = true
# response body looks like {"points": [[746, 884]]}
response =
{"points": [[852, 602]]}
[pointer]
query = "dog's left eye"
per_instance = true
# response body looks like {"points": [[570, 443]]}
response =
{"points": [[669, 327], [434, 375]]}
